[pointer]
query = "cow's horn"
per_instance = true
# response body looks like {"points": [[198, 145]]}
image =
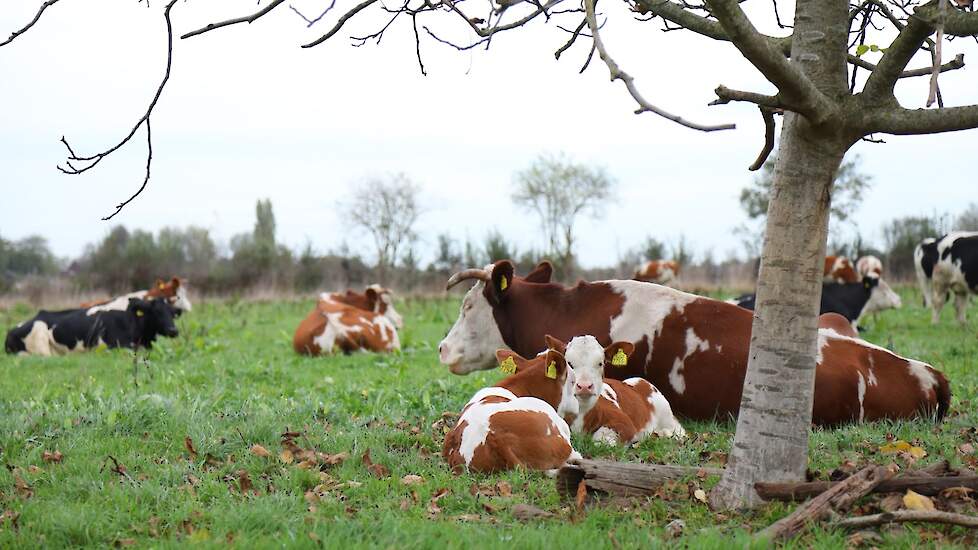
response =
{"points": [[474, 273]]}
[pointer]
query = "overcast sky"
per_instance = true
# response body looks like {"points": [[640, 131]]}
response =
{"points": [[248, 115]]}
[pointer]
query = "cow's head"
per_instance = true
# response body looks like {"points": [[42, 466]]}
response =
{"points": [[474, 338], [543, 376], [586, 362], [175, 292], [153, 317], [881, 296], [381, 301]]}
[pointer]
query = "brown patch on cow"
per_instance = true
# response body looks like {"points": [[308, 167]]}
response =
{"points": [[840, 269], [838, 323], [657, 271], [311, 327], [368, 300], [357, 329], [627, 419]]}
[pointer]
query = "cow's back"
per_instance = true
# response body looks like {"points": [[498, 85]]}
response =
{"points": [[304, 339]]}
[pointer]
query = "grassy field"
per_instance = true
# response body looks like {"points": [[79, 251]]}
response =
{"points": [[127, 475]]}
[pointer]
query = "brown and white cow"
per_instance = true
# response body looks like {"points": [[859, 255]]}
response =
{"points": [[374, 298], [869, 266], [337, 326], [693, 349], [611, 411], [662, 272], [839, 269], [514, 423], [174, 290], [838, 323]]}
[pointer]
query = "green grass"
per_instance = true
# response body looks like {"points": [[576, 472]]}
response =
{"points": [[231, 380]]}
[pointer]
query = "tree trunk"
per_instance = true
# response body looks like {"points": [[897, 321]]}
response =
{"points": [[771, 443]]}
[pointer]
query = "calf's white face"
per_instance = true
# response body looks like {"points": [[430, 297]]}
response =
{"points": [[585, 358], [389, 311], [472, 342]]}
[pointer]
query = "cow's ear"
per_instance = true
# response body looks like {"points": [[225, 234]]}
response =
{"points": [[175, 282], [556, 364], [555, 344], [509, 361], [160, 284], [502, 277], [541, 273], [617, 354]]}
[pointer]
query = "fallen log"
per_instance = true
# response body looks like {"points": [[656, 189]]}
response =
{"points": [[928, 486], [839, 497], [622, 478], [906, 516]]}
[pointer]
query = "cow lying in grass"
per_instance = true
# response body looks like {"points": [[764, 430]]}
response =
{"points": [[174, 291], [374, 298], [523, 420], [336, 325], [514, 423], [693, 349], [75, 330], [613, 412]]}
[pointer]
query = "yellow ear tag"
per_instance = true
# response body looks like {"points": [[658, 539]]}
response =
{"points": [[552, 370], [162, 286], [508, 366], [503, 284], [620, 359], [139, 313]]}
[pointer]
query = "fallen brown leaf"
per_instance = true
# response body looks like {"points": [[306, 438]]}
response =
{"points": [[891, 503], [525, 512], [24, 490], [675, 528], [581, 496], [10, 516], [33, 469], [189, 445], [55, 457], [412, 479], [504, 489], [286, 456], [489, 508], [258, 450], [700, 495], [377, 470], [244, 482]]}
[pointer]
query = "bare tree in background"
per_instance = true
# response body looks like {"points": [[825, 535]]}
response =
{"points": [[386, 208], [968, 220], [560, 191], [831, 97]]}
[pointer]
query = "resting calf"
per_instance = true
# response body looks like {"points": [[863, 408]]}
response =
{"points": [[514, 423], [612, 411]]}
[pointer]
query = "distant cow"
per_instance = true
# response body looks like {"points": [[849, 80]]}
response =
{"points": [[610, 411], [337, 326], [693, 349], [375, 298], [869, 266], [663, 272], [839, 269], [74, 330], [851, 300], [514, 423], [174, 291], [948, 265]]}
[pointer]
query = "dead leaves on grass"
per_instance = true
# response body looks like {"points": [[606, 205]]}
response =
{"points": [[377, 470], [52, 457]]}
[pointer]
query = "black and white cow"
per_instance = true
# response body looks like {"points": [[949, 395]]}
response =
{"points": [[851, 300], [947, 265], [73, 330]]}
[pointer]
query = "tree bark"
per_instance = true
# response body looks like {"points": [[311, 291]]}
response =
{"points": [[771, 443], [623, 478]]}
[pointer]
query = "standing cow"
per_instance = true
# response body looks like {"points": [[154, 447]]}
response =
{"points": [[662, 272], [948, 265], [60, 332], [693, 349]]}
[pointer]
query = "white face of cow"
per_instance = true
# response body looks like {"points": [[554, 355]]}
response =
{"points": [[882, 298], [180, 300], [392, 315], [585, 358], [472, 343]]}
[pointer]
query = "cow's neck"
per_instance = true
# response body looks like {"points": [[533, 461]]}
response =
{"points": [[534, 310]]}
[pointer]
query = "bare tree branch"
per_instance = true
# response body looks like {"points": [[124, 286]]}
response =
{"points": [[954, 64], [93, 160], [149, 162], [676, 13], [313, 21], [793, 85], [27, 27], [883, 78], [726, 95], [339, 24], [939, 39], [618, 74], [246, 19], [768, 116], [900, 121], [906, 516], [571, 40]]}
